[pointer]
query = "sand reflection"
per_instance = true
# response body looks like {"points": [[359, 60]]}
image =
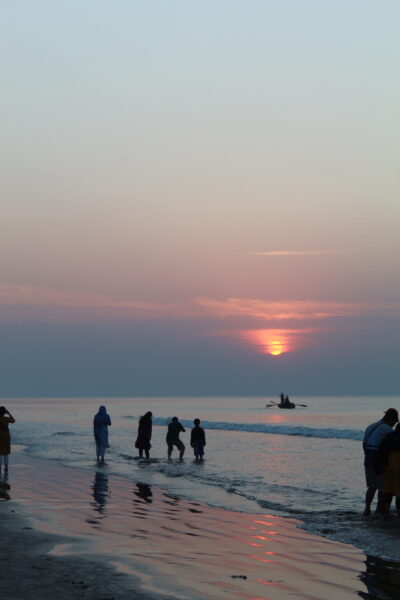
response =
{"points": [[143, 491], [100, 493], [4, 487]]}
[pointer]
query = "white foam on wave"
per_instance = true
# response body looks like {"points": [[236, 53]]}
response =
{"points": [[298, 430]]}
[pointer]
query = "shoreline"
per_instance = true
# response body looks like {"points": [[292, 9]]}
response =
{"points": [[98, 535]]}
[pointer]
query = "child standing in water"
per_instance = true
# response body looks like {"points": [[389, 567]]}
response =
{"points": [[198, 440], [101, 423]]}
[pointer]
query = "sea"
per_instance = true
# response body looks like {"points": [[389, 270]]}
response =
{"points": [[305, 463]]}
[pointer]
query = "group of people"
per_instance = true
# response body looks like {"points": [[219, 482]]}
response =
{"points": [[102, 421], [284, 401], [381, 446]]}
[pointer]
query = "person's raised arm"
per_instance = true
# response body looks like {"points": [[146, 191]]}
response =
{"points": [[11, 418]]}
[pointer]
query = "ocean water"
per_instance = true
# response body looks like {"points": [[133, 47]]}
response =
{"points": [[305, 463]]}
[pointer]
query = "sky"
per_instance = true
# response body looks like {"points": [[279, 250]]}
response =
{"points": [[199, 198]]}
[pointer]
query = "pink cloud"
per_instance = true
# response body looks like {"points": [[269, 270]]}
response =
{"points": [[293, 309], [230, 308], [296, 252]]}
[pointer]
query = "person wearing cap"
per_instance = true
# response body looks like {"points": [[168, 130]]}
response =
{"points": [[373, 437]]}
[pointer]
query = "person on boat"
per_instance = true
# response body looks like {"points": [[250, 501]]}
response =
{"points": [[174, 429], [101, 421], [144, 434], [373, 437], [287, 403], [282, 401]]}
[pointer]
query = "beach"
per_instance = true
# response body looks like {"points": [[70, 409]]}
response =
{"points": [[92, 535]]}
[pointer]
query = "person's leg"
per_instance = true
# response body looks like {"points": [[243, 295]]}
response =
{"points": [[6, 463], [170, 447], [385, 502], [102, 453], [201, 450], [98, 451], [147, 452], [1, 461], [369, 496], [398, 505], [181, 447], [141, 452]]}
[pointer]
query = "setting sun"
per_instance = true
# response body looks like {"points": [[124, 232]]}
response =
{"points": [[277, 341], [275, 348], [271, 341]]}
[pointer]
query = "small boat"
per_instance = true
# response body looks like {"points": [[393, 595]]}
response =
{"points": [[285, 405]]}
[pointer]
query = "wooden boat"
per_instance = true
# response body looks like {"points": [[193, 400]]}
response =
{"points": [[288, 406]]}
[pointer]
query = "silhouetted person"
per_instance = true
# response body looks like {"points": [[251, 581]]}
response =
{"points": [[198, 440], [282, 397], [101, 422], [389, 451], [5, 439], [286, 402], [144, 434], [373, 437], [174, 429]]}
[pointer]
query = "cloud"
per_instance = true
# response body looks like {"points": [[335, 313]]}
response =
{"points": [[295, 252], [302, 310], [12, 295], [229, 308]]}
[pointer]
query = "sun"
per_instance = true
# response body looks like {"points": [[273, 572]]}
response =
{"points": [[270, 341], [275, 347]]}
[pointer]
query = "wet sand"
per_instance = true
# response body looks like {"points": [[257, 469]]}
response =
{"points": [[96, 535]]}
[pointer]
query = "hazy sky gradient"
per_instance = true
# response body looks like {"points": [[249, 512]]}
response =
{"points": [[177, 177]]}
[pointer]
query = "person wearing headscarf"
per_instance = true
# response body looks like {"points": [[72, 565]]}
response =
{"points": [[5, 439], [101, 422], [144, 434]]}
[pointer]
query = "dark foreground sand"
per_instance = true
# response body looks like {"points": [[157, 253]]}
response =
{"points": [[103, 537], [29, 572]]}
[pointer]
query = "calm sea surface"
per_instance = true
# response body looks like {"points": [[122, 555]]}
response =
{"points": [[305, 463]]}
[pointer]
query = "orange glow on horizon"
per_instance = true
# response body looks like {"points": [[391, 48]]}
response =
{"points": [[270, 341], [276, 342]]}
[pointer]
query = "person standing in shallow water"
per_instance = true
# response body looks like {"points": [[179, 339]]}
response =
{"points": [[101, 422], [373, 437], [144, 435], [174, 429], [5, 439], [198, 440]]}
